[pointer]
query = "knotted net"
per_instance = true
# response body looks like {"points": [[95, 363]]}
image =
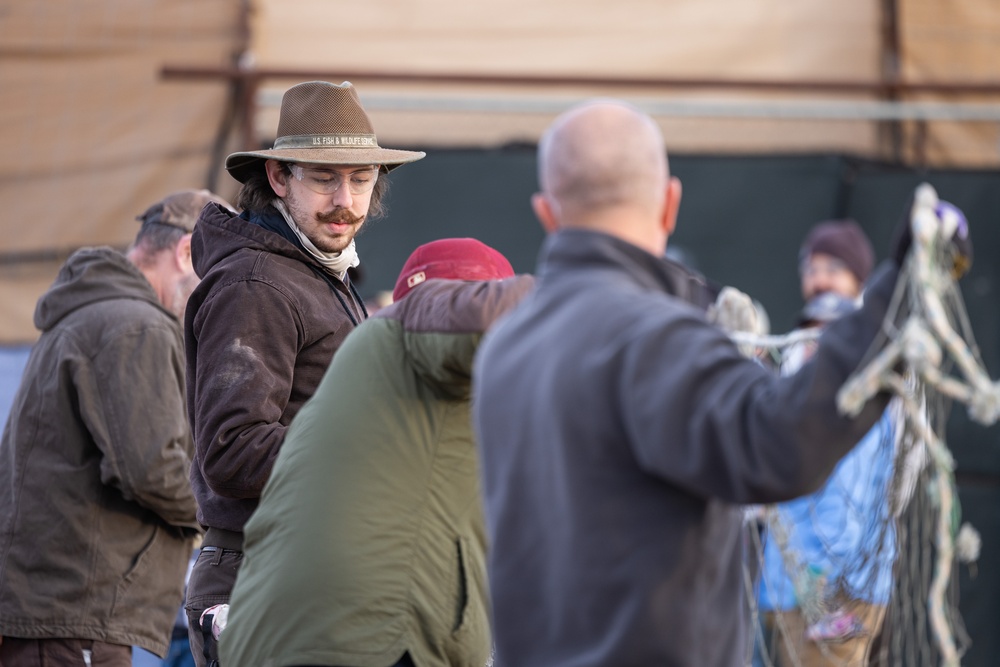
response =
{"points": [[864, 571]]}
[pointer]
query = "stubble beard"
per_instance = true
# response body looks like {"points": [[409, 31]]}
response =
{"points": [[182, 291], [312, 232]]}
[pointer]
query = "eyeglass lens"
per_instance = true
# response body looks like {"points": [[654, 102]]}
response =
{"points": [[327, 182]]}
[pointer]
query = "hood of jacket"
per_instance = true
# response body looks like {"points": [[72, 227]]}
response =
{"points": [[443, 324], [220, 233], [88, 276]]}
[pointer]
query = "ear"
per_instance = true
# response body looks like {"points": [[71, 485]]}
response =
{"points": [[542, 207], [277, 177], [182, 254], [671, 205]]}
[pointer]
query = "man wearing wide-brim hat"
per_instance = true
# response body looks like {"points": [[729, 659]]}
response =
{"points": [[274, 305]]}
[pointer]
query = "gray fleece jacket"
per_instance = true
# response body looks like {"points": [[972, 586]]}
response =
{"points": [[619, 432]]}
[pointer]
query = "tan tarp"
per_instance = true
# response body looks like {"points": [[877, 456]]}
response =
{"points": [[954, 40], [941, 41], [92, 133], [627, 39]]}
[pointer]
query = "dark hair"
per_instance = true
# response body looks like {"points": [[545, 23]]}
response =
{"points": [[256, 193]]}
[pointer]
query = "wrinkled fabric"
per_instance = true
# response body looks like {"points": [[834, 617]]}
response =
{"points": [[97, 515], [619, 431], [369, 541], [828, 531]]}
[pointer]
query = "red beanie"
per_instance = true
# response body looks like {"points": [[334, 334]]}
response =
{"points": [[454, 259]]}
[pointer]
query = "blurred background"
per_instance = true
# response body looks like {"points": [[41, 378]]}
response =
{"points": [[777, 114]]}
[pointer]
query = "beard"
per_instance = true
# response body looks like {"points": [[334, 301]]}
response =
{"points": [[181, 292]]}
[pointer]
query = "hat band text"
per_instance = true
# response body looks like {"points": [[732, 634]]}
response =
{"points": [[326, 141]]}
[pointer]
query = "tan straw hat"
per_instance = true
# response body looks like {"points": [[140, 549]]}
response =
{"points": [[321, 123]]}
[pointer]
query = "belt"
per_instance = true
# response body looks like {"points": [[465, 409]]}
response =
{"points": [[224, 539]]}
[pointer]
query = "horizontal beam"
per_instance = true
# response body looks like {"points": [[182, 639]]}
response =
{"points": [[833, 110], [796, 85]]}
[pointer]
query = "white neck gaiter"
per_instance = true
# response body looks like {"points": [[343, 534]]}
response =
{"points": [[336, 263]]}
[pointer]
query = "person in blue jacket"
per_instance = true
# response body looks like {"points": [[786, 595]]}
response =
{"points": [[828, 556]]}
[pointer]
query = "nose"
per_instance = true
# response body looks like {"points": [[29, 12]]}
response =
{"points": [[342, 197], [815, 282], [822, 279]]}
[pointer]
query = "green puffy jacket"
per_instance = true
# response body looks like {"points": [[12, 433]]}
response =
{"points": [[369, 539]]}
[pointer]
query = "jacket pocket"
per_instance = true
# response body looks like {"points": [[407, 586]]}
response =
{"points": [[136, 568], [463, 590]]}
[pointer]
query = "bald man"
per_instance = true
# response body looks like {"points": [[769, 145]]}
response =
{"points": [[620, 431]]}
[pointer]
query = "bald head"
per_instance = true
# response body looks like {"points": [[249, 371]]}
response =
{"points": [[602, 165]]}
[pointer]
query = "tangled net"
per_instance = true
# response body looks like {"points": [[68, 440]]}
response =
{"points": [[902, 545]]}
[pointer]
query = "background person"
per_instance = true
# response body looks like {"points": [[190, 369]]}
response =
{"points": [[836, 256], [97, 517], [832, 531], [274, 306], [827, 609]]}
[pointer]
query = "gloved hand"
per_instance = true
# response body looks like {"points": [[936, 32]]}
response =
{"points": [[954, 227], [961, 242], [219, 615]]}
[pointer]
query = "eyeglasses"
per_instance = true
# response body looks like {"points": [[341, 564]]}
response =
{"points": [[326, 182]]}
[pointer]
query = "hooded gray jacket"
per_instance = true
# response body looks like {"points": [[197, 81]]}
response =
{"points": [[96, 510]]}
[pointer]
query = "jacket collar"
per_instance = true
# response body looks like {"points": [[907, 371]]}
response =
{"points": [[271, 220], [580, 249]]}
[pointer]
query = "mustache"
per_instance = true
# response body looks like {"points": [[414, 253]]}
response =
{"points": [[340, 216]]}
